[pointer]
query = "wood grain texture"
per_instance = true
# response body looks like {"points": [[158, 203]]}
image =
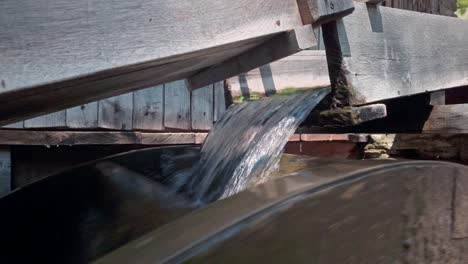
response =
{"points": [[321, 11], [77, 52], [276, 48], [148, 108], [167, 138], [116, 112], [202, 107], [219, 101], [83, 116], [57, 119], [177, 106], [53, 138], [375, 59], [306, 69]]}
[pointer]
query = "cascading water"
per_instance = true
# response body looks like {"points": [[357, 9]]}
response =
{"points": [[245, 145]]}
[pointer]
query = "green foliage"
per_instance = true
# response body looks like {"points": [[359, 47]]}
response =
{"points": [[462, 6]]}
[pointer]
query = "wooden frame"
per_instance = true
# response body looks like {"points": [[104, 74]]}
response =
{"points": [[56, 138], [62, 53], [378, 53]]}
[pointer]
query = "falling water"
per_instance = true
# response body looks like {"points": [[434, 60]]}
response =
{"points": [[245, 145]]}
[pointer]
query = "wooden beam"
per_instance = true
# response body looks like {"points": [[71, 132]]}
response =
{"points": [[379, 53], [277, 48], [62, 53], [57, 138], [303, 70], [322, 11]]}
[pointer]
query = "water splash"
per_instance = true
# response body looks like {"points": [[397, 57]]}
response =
{"points": [[245, 145]]}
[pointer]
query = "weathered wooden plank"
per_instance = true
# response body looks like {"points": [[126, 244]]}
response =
{"points": [[334, 137], [9, 137], [167, 138], [52, 138], [5, 170], [219, 101], [116, 112], [177, 105], [148, 108], [371, 58], [57, 119], [202, 108], [278, 47], [447, 119], [83, 116], [306, 69], [42, 41], [313, 11]]}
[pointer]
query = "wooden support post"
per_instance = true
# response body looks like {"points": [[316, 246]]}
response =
{"points": [[322, 11], [378, 53]]}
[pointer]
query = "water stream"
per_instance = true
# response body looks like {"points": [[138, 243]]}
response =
{"points": [[245, 145]]}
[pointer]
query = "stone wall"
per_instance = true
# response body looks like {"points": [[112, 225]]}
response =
{"points": [[452, 147]]}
